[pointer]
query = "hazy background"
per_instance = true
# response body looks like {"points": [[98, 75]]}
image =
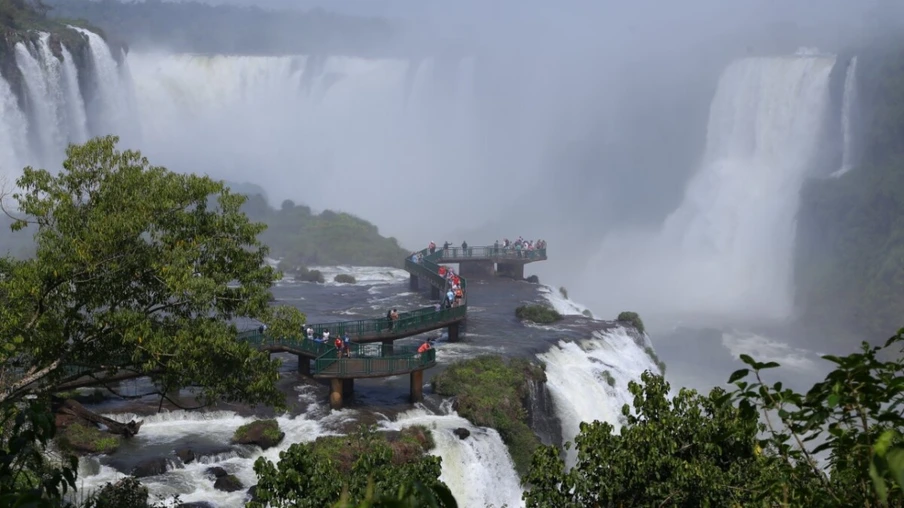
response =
{"points": [[557, 120]]}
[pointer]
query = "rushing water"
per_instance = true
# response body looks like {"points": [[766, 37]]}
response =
{"points": [[478, 469]]}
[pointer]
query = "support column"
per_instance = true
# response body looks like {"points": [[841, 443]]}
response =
{"points": [[513, 270], [413, 282], [335, 393], [453, 332], [348, 387], [417, 386], [304, 365], [387, 348], [434, 293]]}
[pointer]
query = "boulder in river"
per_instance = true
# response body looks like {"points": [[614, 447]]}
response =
{"points": [[150, 467], [228, 483], [263, 433], [461, 432]]}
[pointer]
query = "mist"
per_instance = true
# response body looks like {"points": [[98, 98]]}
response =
{"points": [[585, 123]]}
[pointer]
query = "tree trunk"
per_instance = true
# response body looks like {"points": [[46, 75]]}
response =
{"points": [[74, 409]]}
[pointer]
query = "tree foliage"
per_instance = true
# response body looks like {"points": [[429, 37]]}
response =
{"points": [[303, 238], [372, 473], [837, 445], [137, 269]]}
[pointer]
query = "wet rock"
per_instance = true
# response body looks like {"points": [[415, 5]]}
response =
{"points": [[461, 432], [197, 504], [215, 472], [186, 455], [252, 493], [533, 279], [228, 483], [263, 433], [150, 467]]}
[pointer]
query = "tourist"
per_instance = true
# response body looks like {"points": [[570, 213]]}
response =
{"points": [[459, 294], [431, 247], [394, 316], [450, 297], [338, 345], [326, 336], [389, 318], [347, 346]]}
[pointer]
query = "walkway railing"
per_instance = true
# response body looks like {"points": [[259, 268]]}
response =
{"points": [[403, 359], [304, 345], [492, 252], [417, 319]]}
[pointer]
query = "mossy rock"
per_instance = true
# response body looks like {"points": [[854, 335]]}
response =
{"points": [[87, 440], [631, 318], [538, 314], [263, 433], [533, 279], [406, 447], [653, 356], [344, 278], [492, 392]]}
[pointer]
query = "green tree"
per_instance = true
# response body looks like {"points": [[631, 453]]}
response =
{"points": [[137, 269], [758, 445], [692, 450], [358, 470]]}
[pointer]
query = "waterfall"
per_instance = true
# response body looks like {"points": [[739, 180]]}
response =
{"points": [[45, 100], [477, 469], [848, 105], [109, 109], [78, 120], [726, 252], [588, 379], [13, 137]]}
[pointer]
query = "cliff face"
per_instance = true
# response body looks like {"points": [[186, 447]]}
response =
{"points": [[850, 248]]}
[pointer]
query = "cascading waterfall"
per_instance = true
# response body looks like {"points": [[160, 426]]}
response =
{"points": [[848, 103], [109, 108], [588, 379], [45, 98], [726, 252], [477, 469], [13, 136], [75, 105]]}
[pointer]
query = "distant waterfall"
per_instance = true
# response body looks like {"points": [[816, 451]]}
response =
{"points": [[727, 250], [848, 105]]}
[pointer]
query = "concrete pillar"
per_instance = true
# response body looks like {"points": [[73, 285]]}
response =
{"points": [[417, 386], [348, 387], [434, 293], [387, 348], [413, 282], [513, 270], [477, 269], [335, 393], [453, 332], [304, 365]]}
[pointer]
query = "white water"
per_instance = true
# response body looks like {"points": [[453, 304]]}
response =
{"points": [[75, 105], [577, 379], [169, 430], [726, 251], [111, 111], [848, 105], [13, 137], [364, 275], [44, 99], [477, 469]]}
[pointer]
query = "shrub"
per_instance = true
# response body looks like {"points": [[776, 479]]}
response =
{"points": [[538, 314], [564, 292], [633, 318]]}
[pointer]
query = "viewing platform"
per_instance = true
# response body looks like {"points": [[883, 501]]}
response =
{"points": [[482, 262], [366, 359]]}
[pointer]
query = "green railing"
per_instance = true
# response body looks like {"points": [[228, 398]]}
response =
{"points": [[403, 359], [421, 318], [259, 340]]}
